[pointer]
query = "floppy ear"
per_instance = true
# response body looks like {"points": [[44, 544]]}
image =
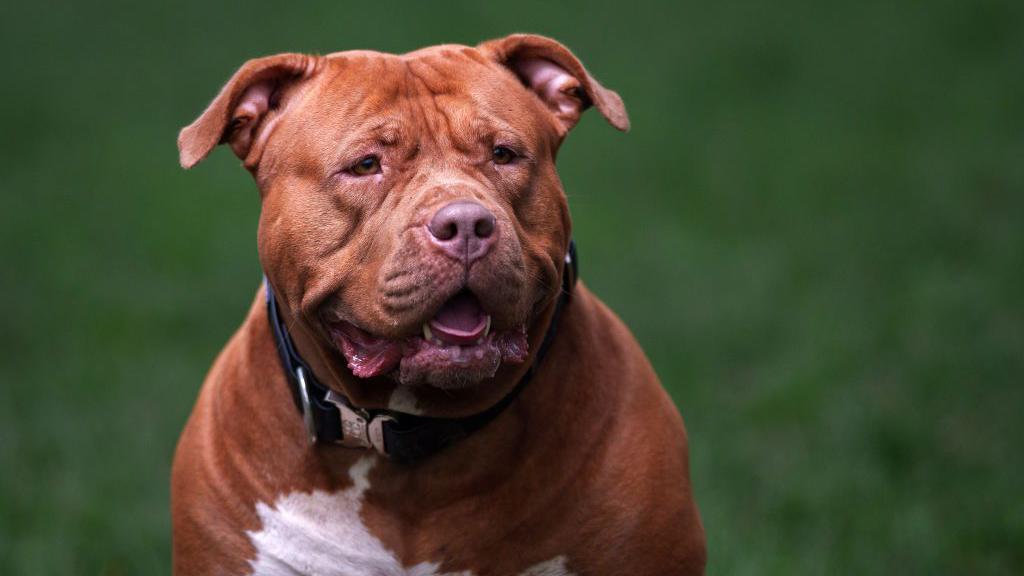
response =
{"points": [[237, 115], [557, 77]]}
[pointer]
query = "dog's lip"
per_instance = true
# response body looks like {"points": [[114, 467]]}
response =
{"points": [[367, 355], [457, 336]]}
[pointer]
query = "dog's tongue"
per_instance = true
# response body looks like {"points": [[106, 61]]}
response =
{"points": [[460, 321]]}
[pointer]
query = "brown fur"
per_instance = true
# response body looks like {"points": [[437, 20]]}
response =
{"points": [[590, 461]]}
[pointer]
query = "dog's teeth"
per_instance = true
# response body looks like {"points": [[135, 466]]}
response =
{"points": [[487, 328], [427, 334]]}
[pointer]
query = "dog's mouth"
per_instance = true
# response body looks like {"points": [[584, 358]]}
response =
{"points": [[456, 347]]}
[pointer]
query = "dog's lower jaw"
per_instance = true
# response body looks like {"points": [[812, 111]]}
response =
{"points": [[461, 366]]}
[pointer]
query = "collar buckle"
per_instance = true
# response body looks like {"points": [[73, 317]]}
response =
{"points": [[358, 428]]}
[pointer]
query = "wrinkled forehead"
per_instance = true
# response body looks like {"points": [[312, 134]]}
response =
{"points": [[447, 93]]}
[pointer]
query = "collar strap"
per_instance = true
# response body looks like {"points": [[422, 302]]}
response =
{"points": [[330, 418]]}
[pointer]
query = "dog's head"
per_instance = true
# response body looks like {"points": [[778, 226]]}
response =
{"points": [[413, 224]]}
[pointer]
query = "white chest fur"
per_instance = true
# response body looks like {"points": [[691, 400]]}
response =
{"points": [[321, 534]]}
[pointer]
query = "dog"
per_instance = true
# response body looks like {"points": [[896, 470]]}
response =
{"points": [[421, 386]]}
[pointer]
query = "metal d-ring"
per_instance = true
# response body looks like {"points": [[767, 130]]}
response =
{"points": [[307, 409]]}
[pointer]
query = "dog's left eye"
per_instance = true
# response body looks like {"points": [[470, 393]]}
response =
{"points": [[502, 155], [366, 167]]}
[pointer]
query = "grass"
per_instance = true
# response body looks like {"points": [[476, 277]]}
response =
{"points": [[814, 229]]}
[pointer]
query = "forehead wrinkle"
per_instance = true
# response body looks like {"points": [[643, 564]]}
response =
{"points": [[482, 104], [464, 119], [359, 110], [423, 99]]}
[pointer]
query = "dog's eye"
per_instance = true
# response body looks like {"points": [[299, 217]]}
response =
{"points": [[502, 155], [367, 166]]}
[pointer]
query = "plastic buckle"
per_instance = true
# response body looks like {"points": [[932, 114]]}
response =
{"points": [[358, 428]]}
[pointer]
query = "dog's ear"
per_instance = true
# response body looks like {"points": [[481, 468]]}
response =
{"points": [[238, 115], [557, 77]]}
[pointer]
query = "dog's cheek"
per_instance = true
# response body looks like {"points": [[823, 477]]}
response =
{"points": [[301, 236], [545, 228]]}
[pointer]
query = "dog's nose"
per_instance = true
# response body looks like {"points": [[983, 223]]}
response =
{"points": [[464, 229]]}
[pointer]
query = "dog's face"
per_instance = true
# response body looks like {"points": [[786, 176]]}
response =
{"points": [[413, 223]]}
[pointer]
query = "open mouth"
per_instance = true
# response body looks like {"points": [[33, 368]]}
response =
{"points": [[456, 348]]}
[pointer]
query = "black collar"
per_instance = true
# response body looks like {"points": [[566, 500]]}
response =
{"points": [[331, 419]]}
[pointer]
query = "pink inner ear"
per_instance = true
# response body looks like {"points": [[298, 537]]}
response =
{"points": [[254, 102], [251, 108], [554, 85]]}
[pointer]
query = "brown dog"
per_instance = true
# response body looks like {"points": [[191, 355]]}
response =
{"points": [[471, 411]]}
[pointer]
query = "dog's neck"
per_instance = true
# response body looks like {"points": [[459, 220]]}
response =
{"points": [[260, 420]]}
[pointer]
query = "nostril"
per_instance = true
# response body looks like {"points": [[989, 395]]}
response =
{"points": [[443, 226], [484, 226], [446, 231]]}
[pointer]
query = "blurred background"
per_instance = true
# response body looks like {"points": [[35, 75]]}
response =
{"points": [[814, 229]]}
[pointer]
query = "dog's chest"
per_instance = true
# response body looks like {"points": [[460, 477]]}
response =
{"points": [[322, 534]]}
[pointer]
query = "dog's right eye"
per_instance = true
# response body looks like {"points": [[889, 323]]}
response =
{"points": [[367, 166], [503, 155]]}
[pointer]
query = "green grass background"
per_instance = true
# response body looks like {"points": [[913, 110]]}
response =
{"points": [[814, 229]]}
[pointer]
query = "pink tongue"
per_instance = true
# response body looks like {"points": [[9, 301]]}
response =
{"points": [[460, 321]]}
